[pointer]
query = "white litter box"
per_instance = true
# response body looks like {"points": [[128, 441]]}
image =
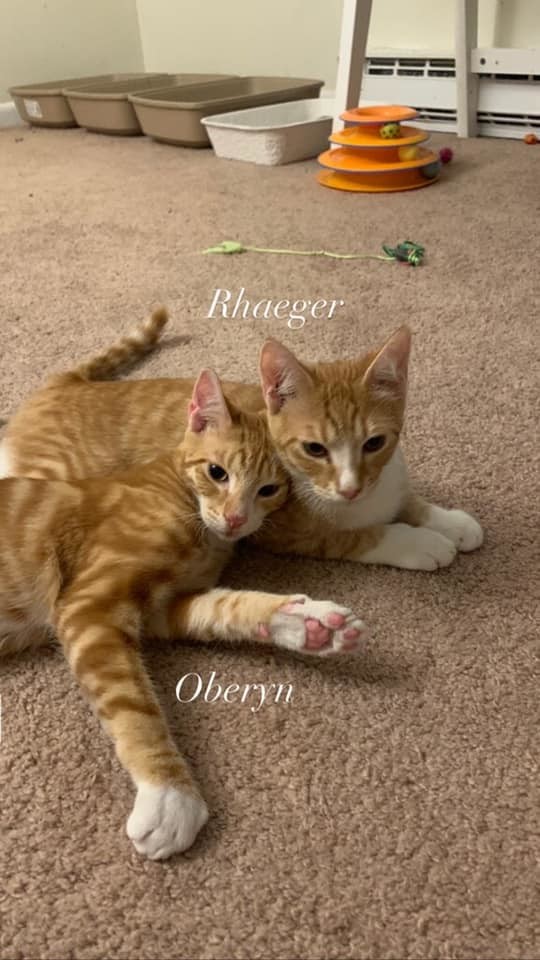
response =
{"points": [[280, 133]]}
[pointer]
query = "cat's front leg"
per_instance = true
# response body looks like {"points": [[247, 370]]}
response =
{"points": [[456, 525], [317, 627], [390, 544], [401, 545], [102, 650]]}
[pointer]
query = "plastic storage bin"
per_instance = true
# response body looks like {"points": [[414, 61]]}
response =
{"points": [[174, 114], [280, 133], [44, 104], [105, 108]]}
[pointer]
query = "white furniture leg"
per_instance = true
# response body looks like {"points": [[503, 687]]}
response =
{"points": [[352, 51], [466, 80]]}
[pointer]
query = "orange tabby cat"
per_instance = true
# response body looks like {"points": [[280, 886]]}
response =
{"points": [[335, 427], [101, 562]]}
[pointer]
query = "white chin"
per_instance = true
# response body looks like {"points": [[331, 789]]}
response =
{"points": [[337, 498], [220, 532], [229, 536]]}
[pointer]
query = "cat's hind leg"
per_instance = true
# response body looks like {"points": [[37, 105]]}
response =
{"points": [[101, 645], [317, 627]]}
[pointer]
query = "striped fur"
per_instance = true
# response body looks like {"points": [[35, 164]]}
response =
{"points": [[101, 563], [341, 504], [130, 348]]}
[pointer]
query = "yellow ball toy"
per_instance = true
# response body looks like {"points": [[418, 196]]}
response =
{"points": [[390, 131], [408, 153]]}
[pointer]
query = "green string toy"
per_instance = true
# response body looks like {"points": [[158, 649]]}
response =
{"points": [[407, 252]]}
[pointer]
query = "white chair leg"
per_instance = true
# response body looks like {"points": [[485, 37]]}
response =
{"points": [[352, 51], [466, 80]]}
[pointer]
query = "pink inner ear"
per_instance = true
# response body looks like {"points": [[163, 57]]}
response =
{"points": [[269, 369], [276, 364], [202, 391], [389, 368], [282, 377], [273, 400], [208, 407], [197, 423]]}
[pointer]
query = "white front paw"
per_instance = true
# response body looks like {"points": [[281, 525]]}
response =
{"points": [[457, 526], [165, 820], [317, 627], [423, 549]]}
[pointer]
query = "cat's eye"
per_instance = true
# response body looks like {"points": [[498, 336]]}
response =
{"points": [[374, 444], [269, 490], [315, 449], [217, 473]]}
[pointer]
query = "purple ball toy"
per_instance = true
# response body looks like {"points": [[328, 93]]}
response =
{"points": [[446, 154]]}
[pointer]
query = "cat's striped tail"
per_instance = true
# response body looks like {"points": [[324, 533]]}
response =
{"points": [[127, 350]]}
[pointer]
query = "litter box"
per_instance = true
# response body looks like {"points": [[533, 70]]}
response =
{"points": [[44, 104], [280, 133], [103, 107], [174, 114]]}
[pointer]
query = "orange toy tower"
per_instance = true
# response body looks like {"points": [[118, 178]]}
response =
{"points": [[377, 153]]}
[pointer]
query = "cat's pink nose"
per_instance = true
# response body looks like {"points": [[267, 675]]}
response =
{"points": [[350, 493], [235, 520]]}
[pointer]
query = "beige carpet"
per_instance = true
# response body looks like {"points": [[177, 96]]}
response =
{"points": [[391, 809]]}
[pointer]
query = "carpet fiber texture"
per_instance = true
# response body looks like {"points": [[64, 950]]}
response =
{"points": [[391, 808]]}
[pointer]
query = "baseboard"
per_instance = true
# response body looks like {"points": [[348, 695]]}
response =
{"points": [[9, 116]]}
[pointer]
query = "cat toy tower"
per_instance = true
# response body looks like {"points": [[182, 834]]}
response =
{"points": [[377, 153]]}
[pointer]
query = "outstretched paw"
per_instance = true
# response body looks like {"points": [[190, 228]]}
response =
{"points": [[165, 820], [463, 530], [317, 627]]}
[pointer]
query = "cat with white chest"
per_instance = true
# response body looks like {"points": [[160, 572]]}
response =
{"points": [[335, 427]]}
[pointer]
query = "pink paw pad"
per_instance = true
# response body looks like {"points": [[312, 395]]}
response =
{"points": [[317, 635], [351, 637], [318, 627], [335, 620]]}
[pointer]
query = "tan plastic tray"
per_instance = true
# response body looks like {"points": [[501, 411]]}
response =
{"points": [[44, 104], [105, 108], [174, 114]]}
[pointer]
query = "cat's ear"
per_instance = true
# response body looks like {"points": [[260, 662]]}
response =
{"points": [[282, 376], [386, 375], [208, 407]]}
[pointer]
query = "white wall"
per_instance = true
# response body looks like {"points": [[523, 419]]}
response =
{"points": [[518, 24], [301, 37], [429, 24], [48, 39], [51, 39], [290, 37]]}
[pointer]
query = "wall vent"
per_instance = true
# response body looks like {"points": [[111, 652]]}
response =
{"points": [[508, 104], [410, 66]]}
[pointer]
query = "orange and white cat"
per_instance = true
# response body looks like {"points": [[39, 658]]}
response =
{"points": [[101, 563], [335, 427]]}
